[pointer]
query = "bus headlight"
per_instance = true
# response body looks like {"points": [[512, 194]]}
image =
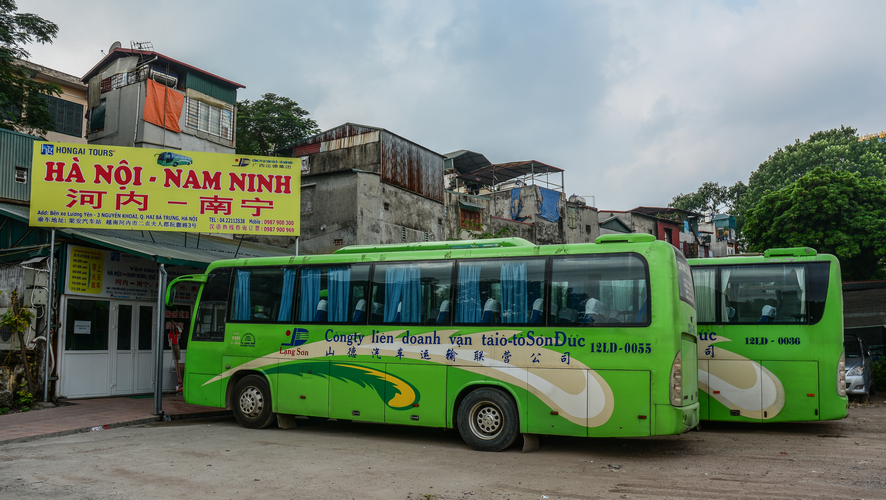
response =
{"points": [[841, 374], [676, 382]]}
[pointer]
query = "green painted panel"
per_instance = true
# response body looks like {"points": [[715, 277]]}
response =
{"points": [[740, 392], [800, 381], [356, 391], [211, 87], [632, 401], [196, 393], [704, 399], [540, 417], [303, 389], [413, 397]]}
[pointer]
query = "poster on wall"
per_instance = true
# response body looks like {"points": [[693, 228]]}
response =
{"points": [[110, 187], [108, 274]]}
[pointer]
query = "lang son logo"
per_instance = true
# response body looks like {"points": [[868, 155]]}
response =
{"points": [[299, 337], [47, 149], [241, 162]]}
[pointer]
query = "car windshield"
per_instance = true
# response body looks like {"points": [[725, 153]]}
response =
{"points": [[852, 348]]}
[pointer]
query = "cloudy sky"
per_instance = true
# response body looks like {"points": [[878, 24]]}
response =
{"points": [[637, 101]]}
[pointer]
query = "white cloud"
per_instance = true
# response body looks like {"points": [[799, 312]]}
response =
{"points": [[638, 101]]}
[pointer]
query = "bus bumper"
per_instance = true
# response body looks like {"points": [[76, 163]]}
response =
{"points": [[675, 420]]}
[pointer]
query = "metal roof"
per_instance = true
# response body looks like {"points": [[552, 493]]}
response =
{"points": [[163, 247], [121, 52], [464, 161], [502, 172]]}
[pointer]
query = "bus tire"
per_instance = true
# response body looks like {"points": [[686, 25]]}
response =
{"points": [[487, 419], [252, 402], [175, 164]]}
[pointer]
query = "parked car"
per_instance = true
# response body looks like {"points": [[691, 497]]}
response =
{"points": [[859, 367]]}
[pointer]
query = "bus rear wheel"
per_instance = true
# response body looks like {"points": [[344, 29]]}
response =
{"points": [[487, 419], [252, 402]]}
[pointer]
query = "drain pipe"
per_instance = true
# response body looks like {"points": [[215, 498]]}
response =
{"points": [[161, 316], [48, 347]]}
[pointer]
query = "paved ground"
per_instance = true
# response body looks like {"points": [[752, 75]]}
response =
{"points": [[216, 458], [82, 415]]}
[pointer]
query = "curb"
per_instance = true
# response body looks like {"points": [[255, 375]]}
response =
{"points": [[128, 423]]}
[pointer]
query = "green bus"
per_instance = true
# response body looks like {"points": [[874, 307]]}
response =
{"points": [[168, 158], [493, 337], [770, 336]]}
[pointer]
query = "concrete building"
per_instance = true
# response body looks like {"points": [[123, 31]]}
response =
{"points": [[365, 185], [680, 228], [140, 98], [523, 199], [67, 108]]}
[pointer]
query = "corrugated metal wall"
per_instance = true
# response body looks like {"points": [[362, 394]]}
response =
{"points": [[411, 166], [211, 88], [403, 163], [16, 150]]}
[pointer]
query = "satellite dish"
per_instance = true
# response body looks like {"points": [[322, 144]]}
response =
{"points": [[115, 45]]}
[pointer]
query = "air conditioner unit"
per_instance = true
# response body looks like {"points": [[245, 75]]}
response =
{"points": [[170, 79], [8, 340]]}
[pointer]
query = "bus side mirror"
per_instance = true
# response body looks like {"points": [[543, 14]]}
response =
{"points": [[170, 297]]}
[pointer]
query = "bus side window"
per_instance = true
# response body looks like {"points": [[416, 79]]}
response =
{"points": [[500, 291], [610, 290], [209, 324], [410, 293], [333, 294], [263, 294]]}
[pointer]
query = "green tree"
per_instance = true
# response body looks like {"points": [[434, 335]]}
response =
{"points": [[833, 211], [18, 318], [270, 123], [836, 149], [22, 100]]}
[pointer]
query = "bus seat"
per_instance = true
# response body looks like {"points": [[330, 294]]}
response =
{"points": [[554, 312], [359, 311], [320, 315], [376, 314], [768, 314], [730, 313], [536, 314], [490, 310], [641, 314], [443, 317], [397, 316], [566, 316]]}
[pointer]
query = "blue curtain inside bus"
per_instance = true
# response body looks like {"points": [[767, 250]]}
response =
{"points": [[285, 313], [339, 291], [514, 296], [309, 296], [468, 307], [242, 304], [403, 294]]}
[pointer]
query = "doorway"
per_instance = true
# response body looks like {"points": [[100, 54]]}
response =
{"points": [[108, 347]]}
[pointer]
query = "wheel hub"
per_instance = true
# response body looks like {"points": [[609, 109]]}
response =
{"points": [[251, 402]]}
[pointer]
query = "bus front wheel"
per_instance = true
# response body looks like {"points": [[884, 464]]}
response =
{"points": [[175, 164], [487, 419], [252, 402]]}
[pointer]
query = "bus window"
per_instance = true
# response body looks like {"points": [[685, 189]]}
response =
{"points": [[210, 321], [705, 294], [599, 290], [333, 294], [411, 293], [502, 291], [765, 293], [263, 295]]}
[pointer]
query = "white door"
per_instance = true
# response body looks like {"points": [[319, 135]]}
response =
{"points": [[146, 327], [125, 348], [85, 360], [133, 352]]}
